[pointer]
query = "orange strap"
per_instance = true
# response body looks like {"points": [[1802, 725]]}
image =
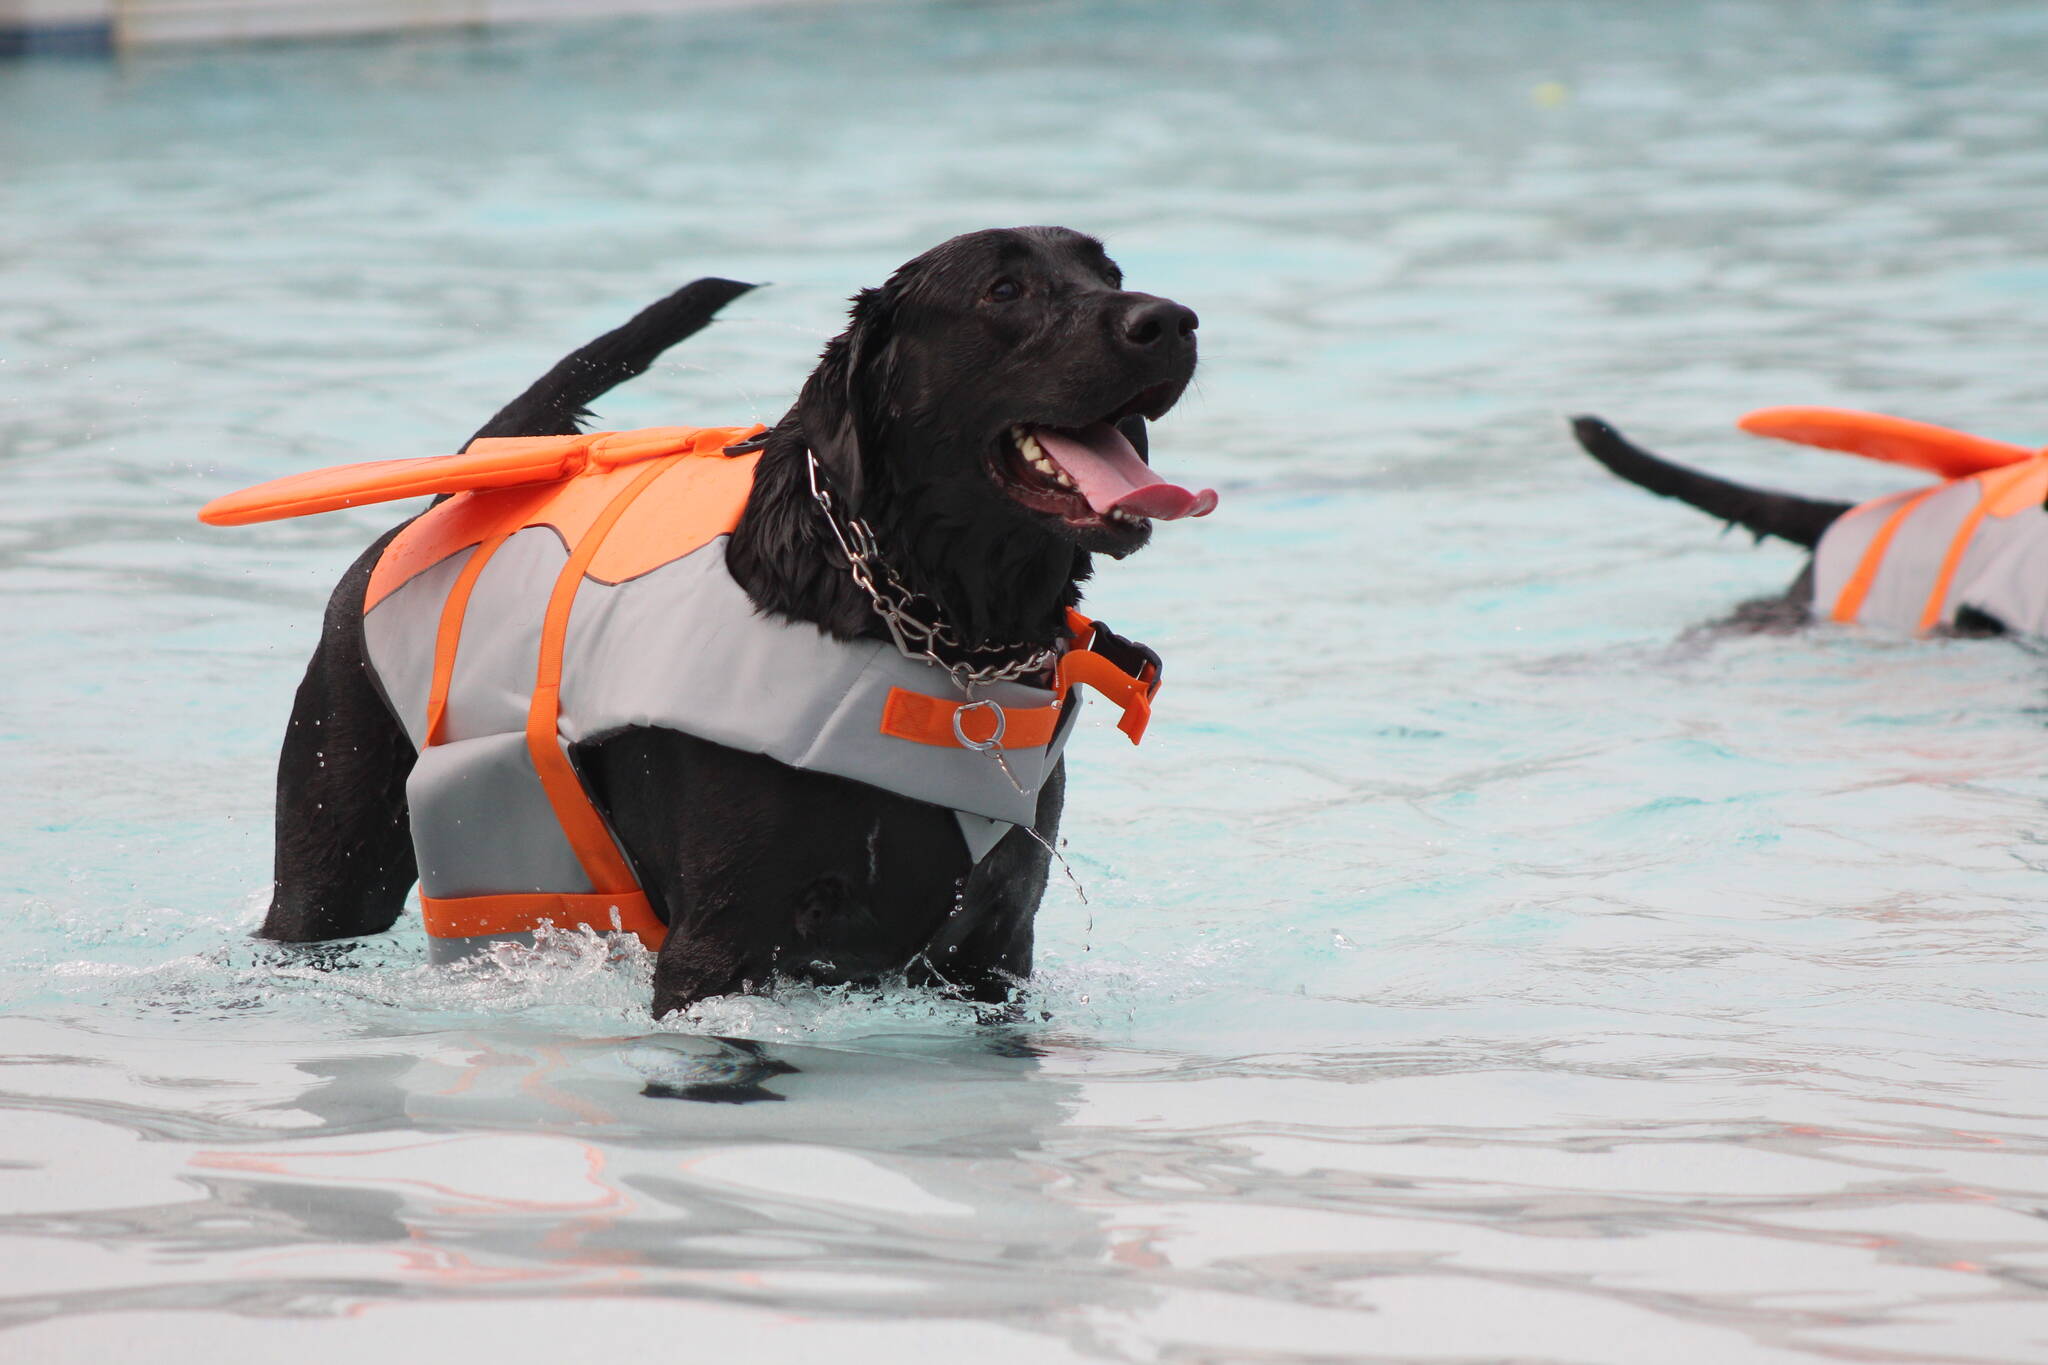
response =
{"points": [[616, 900], [587, 832], [945, 723], [1858, 587], [474, 916], [1937, 597]]}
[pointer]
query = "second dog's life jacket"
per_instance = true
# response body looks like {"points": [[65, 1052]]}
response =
{"points": [[576, 586], [1915, 560]]}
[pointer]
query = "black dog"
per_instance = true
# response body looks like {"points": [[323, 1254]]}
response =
{"points": [[1911, 576], [919, 415]]}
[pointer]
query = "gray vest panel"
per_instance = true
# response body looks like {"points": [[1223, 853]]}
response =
{"points": [[683, 648], [2003, 572], [679, 648], [488, 828]]}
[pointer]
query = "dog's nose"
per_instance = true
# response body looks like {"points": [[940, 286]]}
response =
{"points": [[1152, 322]]}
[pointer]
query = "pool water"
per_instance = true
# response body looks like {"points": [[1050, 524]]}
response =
{"points": [[1477, 963]]}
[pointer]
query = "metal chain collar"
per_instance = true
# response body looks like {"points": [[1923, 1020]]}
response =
{"points": [[915, 637]]}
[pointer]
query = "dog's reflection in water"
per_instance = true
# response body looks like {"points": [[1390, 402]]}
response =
{"points": [[732, 1071], [715, 1070], [473, 1161]]}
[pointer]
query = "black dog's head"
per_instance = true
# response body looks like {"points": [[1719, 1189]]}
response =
{"points": [[998, 385]]}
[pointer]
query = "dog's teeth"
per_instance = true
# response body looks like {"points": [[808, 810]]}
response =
{"points": [[1035, 456]]}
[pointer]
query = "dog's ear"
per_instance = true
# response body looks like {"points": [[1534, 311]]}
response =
{"points": [[842, 397]]}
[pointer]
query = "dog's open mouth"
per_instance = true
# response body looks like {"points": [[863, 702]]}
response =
{"points": [[1092, 475]]}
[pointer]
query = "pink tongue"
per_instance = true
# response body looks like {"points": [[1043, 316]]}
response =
{"points": [[1107, 470]]}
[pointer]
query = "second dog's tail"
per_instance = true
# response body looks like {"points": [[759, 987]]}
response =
{"points": [[1758, 511], [556, 403]]}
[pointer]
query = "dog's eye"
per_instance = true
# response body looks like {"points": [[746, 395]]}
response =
{"points": [[1003, 290]]}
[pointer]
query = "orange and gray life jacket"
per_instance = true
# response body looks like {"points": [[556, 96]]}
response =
{"points": [[1914, 560], [575, 586]]}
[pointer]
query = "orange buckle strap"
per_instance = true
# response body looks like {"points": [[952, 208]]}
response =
{"points": [[967, 725], [983, 725]]}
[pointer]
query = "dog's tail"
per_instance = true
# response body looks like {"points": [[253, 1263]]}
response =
{"points": [[558, 401], [1758, 511]]}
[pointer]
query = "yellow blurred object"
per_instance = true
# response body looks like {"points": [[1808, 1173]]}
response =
{"points": [[1551, 95]]}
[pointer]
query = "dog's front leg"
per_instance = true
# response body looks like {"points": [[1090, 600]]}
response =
{"points": [[713, 950], [986, 951]]}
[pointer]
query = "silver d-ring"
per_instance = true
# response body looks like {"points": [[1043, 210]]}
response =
{"points": [[980, 746]]}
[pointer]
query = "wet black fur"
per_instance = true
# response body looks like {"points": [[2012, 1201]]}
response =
{"points": [[763, 870], [1799, 521]]}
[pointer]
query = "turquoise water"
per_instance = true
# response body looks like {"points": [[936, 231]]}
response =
{"points": [[1475, 965]]}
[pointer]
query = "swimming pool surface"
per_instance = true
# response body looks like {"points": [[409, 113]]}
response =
{"points": [[1475, 966]]}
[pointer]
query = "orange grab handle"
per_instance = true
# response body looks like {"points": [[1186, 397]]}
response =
{"points": [[359, 485], [1897, 440], [493, 462]]}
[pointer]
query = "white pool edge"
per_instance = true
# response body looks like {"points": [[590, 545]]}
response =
{"points": [[30, 28]]}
